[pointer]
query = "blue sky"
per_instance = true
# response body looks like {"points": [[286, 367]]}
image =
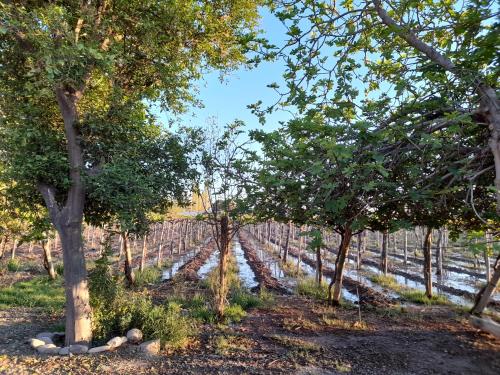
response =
{"points": [[228, 100]]}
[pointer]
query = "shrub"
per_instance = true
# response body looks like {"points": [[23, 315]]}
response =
{"points": [[13, 265], [116, 310], [167, 324]]}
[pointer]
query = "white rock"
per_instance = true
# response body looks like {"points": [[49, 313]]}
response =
{"points": [[46, 340], [78, 349], [48, 349], [151, 347], [134, 335], [99, 349], [115, 342], [35, 343], [64, 351], [41, 335]]}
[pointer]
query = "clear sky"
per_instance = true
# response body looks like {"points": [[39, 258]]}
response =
{"points": [[227, 101]]}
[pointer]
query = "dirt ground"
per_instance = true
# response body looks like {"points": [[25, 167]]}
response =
{"points": [[293, 336]]}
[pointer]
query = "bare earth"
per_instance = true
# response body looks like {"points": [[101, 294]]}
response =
{"points": [[295, 336]]}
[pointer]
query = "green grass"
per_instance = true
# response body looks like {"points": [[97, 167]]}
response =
{"points": [[13, 265], [37, 292], [387, 281], [150, 275], [418, 296], [409, 294], [309, 287]]}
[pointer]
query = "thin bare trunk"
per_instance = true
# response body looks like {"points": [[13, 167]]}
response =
{"points": [[14, 249], [129, 272], [287, 242], [144, 252], [384, 263], [428, 262], [47, 259], [224, 252]]}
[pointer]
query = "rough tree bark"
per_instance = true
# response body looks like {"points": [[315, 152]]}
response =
{"points": [[3, 244], [14, 249], [68, 222], [144, 252], [439, 253], [405, 247], [129, 272], [319, 266], [384, 261], [486, 255], [287, 242], [428, 262], [483, 297], [47, 260], [336, 283], [224, 252]]}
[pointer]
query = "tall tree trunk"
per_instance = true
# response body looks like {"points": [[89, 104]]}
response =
{"points": [[428, 262], [384, 263], [5, 240], [68, 222], [439, 253], [483, 297], [336, 283], [287, 242], [14, 249], [144, 252], [129, 271], [405, 247], [319, 266], [280, 239], [486, 255], [224, 252], [47, 259]]}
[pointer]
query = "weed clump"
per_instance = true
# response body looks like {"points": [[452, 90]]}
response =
{"points": [[116, 310]]}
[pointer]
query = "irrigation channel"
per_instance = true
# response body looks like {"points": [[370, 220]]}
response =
{"points": [[458, 287], [259, 265]]}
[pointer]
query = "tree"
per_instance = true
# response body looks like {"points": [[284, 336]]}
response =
{"points": [[140, 179], [60, 62], [321, 173], [351, 52], [226, 167]]}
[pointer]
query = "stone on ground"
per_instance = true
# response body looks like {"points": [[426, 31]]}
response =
{"points": [[35, 343], [99, 349], [50, 335], [64, 351], [151, 347], [78, 349], [134, 335], [115, 342], [48, 349]]}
